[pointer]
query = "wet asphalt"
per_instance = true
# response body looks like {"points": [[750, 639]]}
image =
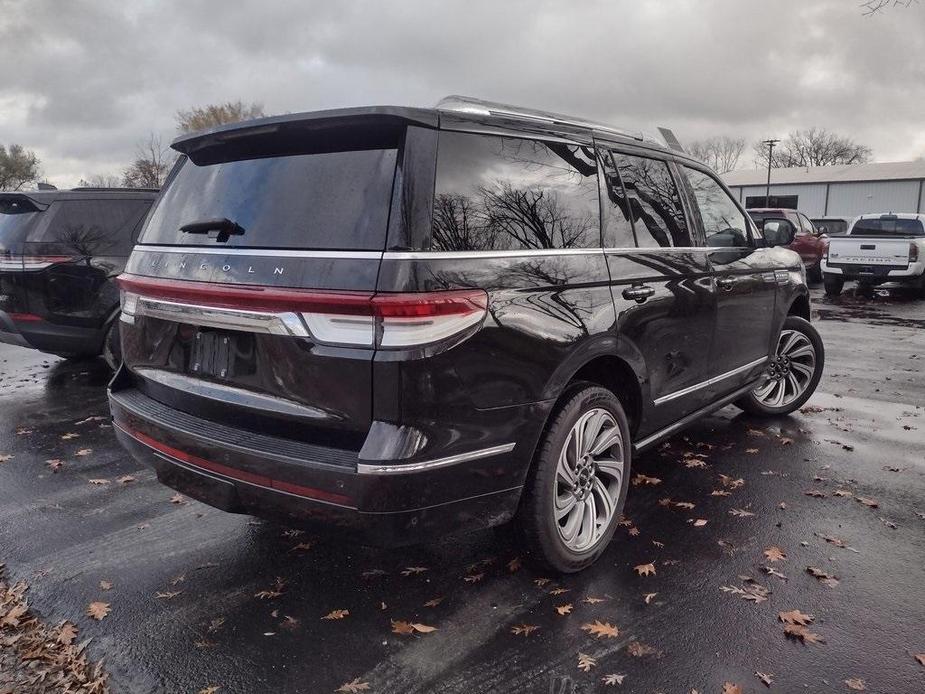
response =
{"points": [[194, 590]]}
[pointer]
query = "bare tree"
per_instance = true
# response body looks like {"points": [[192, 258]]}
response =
{"points": [[151, 166], [203, 117], [18, 166], [872, 7], [813, 147], [102, 181], [721, 154]]}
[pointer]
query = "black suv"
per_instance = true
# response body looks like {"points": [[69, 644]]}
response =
{"points": [[60, 251], [408, 322]]}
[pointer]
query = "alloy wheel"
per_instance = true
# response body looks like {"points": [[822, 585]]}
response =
{"points": [[790, 370], [589, 477]]}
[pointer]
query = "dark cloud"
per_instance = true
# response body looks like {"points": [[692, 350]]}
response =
{"points": [[85, 80]]}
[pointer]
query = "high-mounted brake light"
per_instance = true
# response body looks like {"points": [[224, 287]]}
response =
{"points": [[356, 319]]}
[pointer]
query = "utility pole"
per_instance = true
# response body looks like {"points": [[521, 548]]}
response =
{"points": [[767, 190]]}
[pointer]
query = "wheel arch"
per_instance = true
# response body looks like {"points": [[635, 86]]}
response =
{"points": [[799, 306]]}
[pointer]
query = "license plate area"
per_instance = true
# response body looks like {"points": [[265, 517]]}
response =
{"points": [[221, 354]]}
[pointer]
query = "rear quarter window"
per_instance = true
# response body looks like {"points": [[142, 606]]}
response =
{"points": [[16, 218], [502, 193], [329, 200]]}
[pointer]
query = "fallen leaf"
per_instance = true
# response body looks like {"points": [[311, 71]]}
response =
{"points": [[730, 688], [870, 503], [586, 662], [353, 687], [289, 623], [751, 451], [167, 595], [414, 570], [422, 628], [67, 632], [800, 633], [611, 680], [921, 658], [794, 617], [730, 483], [784, 441], [771, 571], [639, 650], [601, 629], [766, 679], [433, 602], [55, 464], [740, 513], [336, 614], [372, 573], [645, 569], [648, 597], [856, 684], [639, 479], [815, 493], [474, 578], [98, 481], [211, 689], [559, 591], [842, 492], [125, 479], [687, 505], [593, 601], [69, 435], [514, 564], [634, 532], [273, 592], [540, 582], [524, 629], [5, 458], [827, 579], [98, 610], [699, 523], [178, 499], [720, 492], [564, 609], [775, 553], [400, 627], [84, 451]]}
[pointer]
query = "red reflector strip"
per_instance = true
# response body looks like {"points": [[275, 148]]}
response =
{"points": [[432, 304], [234, 473], [248, 297], [25, 317]]}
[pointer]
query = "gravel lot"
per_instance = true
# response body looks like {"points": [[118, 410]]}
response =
{"points": [[729, 515]]}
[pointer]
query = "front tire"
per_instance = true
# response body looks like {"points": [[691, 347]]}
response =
{"points": [[578, 482], [833, 285], [814, 274], [793, 372]]}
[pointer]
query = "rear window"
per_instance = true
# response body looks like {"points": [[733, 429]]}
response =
{"points": [[330, 200], [886, 226], [831, 227], [16, 216], [90, 227]]}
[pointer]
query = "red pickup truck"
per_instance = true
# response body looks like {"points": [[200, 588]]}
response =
{"points": [[809, 242]]}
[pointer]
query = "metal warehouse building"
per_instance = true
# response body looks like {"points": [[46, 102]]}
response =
{"points": [[837, 191]]}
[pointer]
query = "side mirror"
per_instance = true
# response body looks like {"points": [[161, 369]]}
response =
{"points": [[778, 231]]}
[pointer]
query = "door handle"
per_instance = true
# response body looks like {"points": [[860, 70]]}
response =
{"points": [[638, 293], [726, 283]]}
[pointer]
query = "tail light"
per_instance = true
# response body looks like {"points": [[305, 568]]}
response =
{"points": [[31, 263], [913, 253], [356, 319]]}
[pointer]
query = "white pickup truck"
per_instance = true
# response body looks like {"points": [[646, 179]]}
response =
{"points": [[876, 249]]}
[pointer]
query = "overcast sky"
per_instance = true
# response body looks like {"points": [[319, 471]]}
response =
{"points": [[83, 81]]}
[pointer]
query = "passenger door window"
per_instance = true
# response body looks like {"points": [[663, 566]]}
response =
{"points": [[502, 193], [654, 202], [724, 225]]}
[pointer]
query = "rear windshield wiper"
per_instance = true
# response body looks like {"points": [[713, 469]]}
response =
{"points": [[224, 226]]}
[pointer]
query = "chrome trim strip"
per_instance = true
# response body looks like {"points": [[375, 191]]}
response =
{"points": [[368, 469], [438, 255], [709, 382], [214, 317], [263, 252]]}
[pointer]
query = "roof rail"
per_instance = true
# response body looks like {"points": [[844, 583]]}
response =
{"points": [[467, 104], [117, 189]]}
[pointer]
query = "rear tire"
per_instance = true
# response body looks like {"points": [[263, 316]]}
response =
{"points": [[578, 481], [793, 373], [833, 285]]}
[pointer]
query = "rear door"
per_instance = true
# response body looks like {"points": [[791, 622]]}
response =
{"points": [[240, 298], [746, 279], [661, 282]]}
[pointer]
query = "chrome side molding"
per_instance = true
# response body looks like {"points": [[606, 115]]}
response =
{"points": [[401, 469]]}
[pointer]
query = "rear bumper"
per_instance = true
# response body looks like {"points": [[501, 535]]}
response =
{"points": [[9, 333], [50, 337], [381, 502], [884, 273]]}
